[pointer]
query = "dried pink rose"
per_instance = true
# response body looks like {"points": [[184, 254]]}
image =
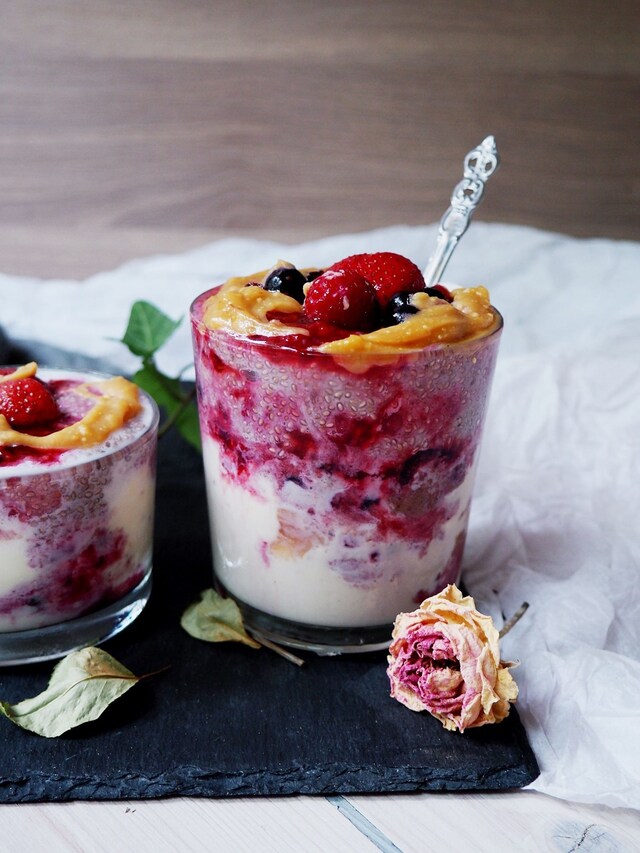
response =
{"points": [[445, 659]]}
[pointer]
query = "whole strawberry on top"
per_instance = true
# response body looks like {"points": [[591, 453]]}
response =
{"points": [[26, 402]]}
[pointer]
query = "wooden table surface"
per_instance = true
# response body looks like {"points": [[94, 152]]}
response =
{"points": [[141, 126]]}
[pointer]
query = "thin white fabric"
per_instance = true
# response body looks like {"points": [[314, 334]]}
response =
{"points": [[557, 504]]}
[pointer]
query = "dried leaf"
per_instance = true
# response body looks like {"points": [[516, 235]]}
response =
{"points": [[216, 620], [81, 687]]}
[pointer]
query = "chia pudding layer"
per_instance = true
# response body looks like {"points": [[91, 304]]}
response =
{"points": [[75, 524], [338, 493]]}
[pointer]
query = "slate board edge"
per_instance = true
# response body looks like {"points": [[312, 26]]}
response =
{"points": [[191, 782]]}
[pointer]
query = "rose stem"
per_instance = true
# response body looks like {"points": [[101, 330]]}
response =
{"points": [[508, 625]]}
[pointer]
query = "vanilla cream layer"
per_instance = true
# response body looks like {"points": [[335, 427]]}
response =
{"points": [[254, 563], [13, 559]]}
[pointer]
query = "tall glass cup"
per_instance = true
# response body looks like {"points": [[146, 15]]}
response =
{"points": [[337, 497]]}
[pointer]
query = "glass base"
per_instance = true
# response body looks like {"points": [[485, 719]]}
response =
{"points": [[56, 641], [320, 639]]}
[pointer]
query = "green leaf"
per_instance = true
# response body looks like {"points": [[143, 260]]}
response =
{"points": [[148, 329], [81, 687], [216, 620], [179, 407]]}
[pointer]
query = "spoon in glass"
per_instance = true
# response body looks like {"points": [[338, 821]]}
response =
{"points": [[479, 165]]}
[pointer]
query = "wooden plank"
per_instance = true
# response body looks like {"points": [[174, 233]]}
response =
{"points": [[499, 823], [287, 825], [194, 117], [578, 35], [78, 252], [385, 147]]}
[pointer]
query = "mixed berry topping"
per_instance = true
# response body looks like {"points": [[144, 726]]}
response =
{"points": [[360, 293], [27, 403]]}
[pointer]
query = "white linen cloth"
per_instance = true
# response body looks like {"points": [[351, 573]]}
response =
{"points": [[556, 508]]}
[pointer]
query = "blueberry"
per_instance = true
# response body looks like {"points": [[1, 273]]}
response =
{"points": [[313, 275], [399, 308], [287, 280]]}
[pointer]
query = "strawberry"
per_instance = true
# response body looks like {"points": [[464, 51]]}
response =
{"points": [[342, 298], [388, 272], [26, 402]]}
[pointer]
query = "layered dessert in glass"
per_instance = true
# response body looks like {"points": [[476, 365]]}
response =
{"points": [[341, 412], [77, 482]]}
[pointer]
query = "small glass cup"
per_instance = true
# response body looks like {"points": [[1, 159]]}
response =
{"points": [[337, 498], [76, 539]]}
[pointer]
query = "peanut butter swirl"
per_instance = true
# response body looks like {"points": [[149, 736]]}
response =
{"points": [[243, 310]]}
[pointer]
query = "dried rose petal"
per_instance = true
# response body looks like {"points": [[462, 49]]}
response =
{"points": [[445, 659]]}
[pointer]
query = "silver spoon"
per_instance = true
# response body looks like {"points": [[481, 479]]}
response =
{"points": [[479, 165]]}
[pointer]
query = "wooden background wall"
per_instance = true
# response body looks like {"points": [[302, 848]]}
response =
{"points": [[136, 126]]}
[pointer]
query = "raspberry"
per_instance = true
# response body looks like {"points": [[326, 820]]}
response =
{"points": [[440, 291], [388, 272], [342, 298], [27, 402]]}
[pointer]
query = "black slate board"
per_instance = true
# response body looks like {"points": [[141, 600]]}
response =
{"points": [[228, 721]]}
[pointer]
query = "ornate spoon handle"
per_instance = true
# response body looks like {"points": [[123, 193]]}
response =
{"points": [[479, 165]]}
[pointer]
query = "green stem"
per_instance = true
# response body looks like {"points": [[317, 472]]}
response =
{"points": [[165, 381], [185, 402]]}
